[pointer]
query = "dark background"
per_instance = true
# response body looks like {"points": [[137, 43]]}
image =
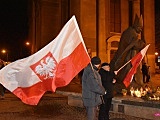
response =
{"points": [[157, 25], [14, 28]]}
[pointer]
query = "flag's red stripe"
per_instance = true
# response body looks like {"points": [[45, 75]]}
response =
{"points": [[70, 66], [135, 61]]}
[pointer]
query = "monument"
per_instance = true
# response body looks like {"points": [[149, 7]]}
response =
{"points": [[130, 44]]}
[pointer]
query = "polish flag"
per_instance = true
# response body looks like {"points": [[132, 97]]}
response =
{"points": [[135, 61], [53, 66]]}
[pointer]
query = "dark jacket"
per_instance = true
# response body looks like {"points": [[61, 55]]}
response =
{"points": [[144, 69], [91, 87], [107, 79]]}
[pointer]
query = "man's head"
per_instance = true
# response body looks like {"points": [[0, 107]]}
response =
{"points": [[105, 66], [96, 61]]}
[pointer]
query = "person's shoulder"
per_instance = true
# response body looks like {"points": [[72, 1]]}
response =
{"points": [[102, 71], [87, 68]]}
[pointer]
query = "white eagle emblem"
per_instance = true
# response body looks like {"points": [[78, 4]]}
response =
{"points": [[46, 68]]}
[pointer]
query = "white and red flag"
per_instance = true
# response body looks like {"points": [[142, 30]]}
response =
{"points": [[135, 61], [53, 66]]}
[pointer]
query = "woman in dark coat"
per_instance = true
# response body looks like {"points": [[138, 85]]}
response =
{"points": [[108, 81]]}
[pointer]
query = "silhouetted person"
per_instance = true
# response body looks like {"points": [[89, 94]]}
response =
{"points": [[108, 81], [145, 72]]}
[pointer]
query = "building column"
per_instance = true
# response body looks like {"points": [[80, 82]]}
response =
{"points": [[102, 31], [124, 15], [149, 32], [88, 24], [136, 8]]}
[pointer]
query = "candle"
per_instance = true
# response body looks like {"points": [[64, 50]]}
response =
{"points": [[137, 93], [132, 91]]}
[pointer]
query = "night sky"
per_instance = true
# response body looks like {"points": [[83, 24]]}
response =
{"points": [[13, 27]]}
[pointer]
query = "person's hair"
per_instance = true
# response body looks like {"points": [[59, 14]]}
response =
{"points": [[105, 64], [96, 60]]}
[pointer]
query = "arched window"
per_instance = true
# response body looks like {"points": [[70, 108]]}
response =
{"points": [[112, 46]]}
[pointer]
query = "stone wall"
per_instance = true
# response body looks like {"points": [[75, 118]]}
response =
{"points": [[126, 105]]}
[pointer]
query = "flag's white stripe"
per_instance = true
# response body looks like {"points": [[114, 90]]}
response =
{"points": [[80, 35], [144, 50], [13, 76], [58, 46], [131, 78], [73, 40]]}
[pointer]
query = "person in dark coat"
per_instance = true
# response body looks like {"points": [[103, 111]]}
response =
{"points": [[108, 81], [145, 72], [92, 88]]}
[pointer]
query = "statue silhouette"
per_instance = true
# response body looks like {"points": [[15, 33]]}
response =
{"points": [[129, 46]]}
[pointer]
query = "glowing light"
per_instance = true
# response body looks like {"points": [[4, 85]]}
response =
{"points": [[156, 53], [27, 43], [3, 51]]}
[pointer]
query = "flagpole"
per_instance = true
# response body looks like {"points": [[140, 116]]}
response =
{"points": [[131, 59], [92, 69], [123, 66]]}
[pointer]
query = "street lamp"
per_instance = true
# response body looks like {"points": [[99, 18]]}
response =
{"points": [[156, 53], [25, 51], [27, 43], [5, 52]]}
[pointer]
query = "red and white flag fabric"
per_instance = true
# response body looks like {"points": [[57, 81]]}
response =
{"points": [[53, 66], [135, 61]]}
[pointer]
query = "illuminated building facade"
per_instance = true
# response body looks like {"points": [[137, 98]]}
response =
{"points": [[101, 23]]}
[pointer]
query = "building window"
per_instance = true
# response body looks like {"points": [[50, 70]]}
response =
{"points": [[115, 16], [114, 44], [114, 47]]}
